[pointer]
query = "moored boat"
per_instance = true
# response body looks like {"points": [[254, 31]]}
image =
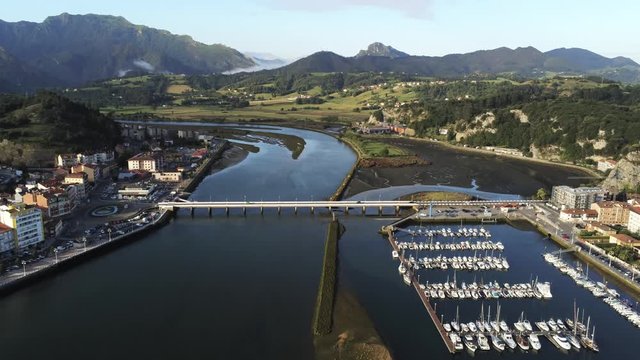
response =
{"points": [[534, 342], [523, 342]]}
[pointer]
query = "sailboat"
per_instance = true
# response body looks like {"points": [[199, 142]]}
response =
{"points": [[589, 342], [519, 325], [454, 324]]}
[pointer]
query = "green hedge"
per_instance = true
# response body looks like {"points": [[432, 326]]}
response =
{"points": [[323, 317]]}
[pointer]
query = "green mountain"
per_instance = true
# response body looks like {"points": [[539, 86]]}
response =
{"points": [[527, 61], [75, 49]]}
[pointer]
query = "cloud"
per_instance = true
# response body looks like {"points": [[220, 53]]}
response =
{"points": [[411, 8]]}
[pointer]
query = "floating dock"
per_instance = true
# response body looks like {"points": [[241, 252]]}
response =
{"points": [[424, 298]]}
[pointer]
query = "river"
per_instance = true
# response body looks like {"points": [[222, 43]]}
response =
{"points": [[244, 288]]}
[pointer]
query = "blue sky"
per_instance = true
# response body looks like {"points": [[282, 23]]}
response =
{"points": [[296, 28]]}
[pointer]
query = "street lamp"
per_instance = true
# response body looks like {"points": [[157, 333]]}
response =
{"points": [[84, 240], [24, 268], [55, 251]]}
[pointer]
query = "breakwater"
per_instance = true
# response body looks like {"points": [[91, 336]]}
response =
{"points": [[323, 317]]}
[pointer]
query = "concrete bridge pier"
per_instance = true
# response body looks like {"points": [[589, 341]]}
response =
{"points": [[397, 210], [210, 211], [295, 210], [346, 210], [192, 211], [244, 211], [364, 210], [226, 211], [380, 211], [313, 210], [279, 210], [261, 210]]}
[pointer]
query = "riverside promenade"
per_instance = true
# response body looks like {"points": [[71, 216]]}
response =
{"points": [[46, 266]]}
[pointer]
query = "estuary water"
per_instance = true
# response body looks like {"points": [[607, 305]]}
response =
{"points": [[244, 287]]}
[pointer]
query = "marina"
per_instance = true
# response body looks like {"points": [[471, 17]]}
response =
{"points": [[487, 333], [598, 289]]}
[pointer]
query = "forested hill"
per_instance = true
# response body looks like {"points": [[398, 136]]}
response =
{"points": [[32, 128], [74, 49]]}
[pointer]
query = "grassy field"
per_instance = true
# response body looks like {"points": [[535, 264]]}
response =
{"points": [[437, 196], [369, 147]]}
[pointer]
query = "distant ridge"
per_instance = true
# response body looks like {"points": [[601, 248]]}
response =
{"points": [[524, 61]]}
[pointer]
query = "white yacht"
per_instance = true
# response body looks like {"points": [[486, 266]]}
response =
{"points": [[483, 342], [402, 269], [470, 343], [508, 339], [561, 342], [527, 325], [394, 254], [406, 278], [542, 326], [497, 343], [545, 289], [534, 342], [457, 342]]}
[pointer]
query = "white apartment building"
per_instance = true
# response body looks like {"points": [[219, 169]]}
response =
{"points": [[25, 221], [146, 162], [634, 220]]}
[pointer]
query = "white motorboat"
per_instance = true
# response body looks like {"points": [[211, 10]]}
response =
{"points": [[534, 342], [394, 254], [483, 342], [497, 343], [406, 278], [504, 326], [470, 343], [527, 325], [472, 327], [523, 342], [457, 342], [402, 269], [542, 326], [552, 325], [446, 327], [561, 342], [545, 289], [573, 341], [508, 339]]}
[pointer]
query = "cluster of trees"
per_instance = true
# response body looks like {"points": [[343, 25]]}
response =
{"points": [[53, 121], [574, 121], [148, 90]]}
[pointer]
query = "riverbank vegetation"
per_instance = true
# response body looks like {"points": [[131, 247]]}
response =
{"points": [[567, 119]]}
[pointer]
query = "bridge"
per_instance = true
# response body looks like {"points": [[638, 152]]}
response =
{"points": [[344, 205]]}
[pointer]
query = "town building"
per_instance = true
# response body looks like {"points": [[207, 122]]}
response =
{"points": [[26, 222], [168, 176], [137, 190], [612, 212], [54, 203], [7, 240], [81, 180], [94, 172], [100, 157], [634, 220], [578, 215], [150, 162], [624, 240], [600, 228], [565, 197]]}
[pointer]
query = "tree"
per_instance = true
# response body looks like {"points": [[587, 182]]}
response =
{"points": [[541, 194]]}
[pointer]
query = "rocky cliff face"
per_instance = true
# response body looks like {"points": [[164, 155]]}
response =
{"points": [[626, 174]]}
